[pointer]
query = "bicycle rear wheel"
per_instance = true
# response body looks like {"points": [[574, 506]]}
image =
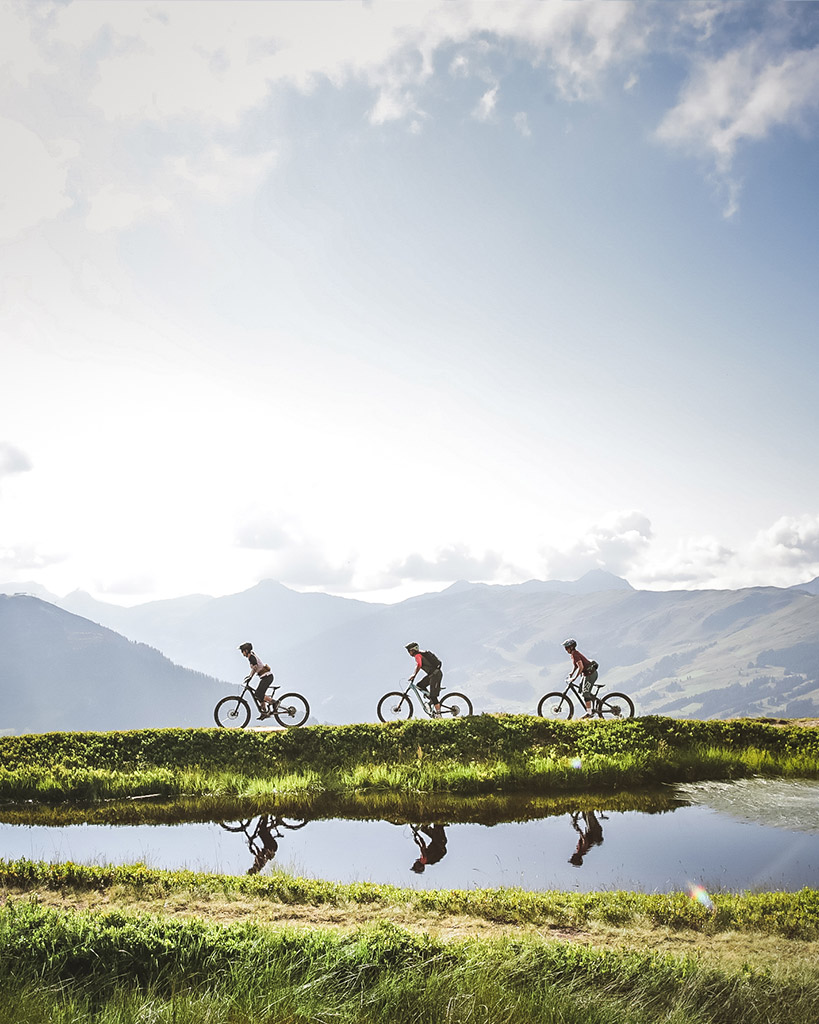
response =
{"points": [[291, 709], [293, 825], [393, 706], [555, 705], [615, 705], [232, 713], [455, 705]]}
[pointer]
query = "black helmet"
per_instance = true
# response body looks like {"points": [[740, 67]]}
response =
{"points": [[412, 648], [569, 644], [245, 647]]}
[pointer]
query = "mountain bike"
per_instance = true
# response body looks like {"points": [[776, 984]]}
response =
{"points": [[398, 705], [560, 705], [275, 823], [291, 709], [263, 840]]}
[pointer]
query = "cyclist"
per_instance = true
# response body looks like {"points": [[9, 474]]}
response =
{"points": [[591, 835], [432, 851], [582, 666], [260, 669], [426, 661]]}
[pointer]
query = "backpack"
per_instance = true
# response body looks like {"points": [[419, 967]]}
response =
{"points": [[593, 667], [430, 659]]}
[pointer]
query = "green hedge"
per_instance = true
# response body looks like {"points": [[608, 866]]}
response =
{"points": [[332, 747]]}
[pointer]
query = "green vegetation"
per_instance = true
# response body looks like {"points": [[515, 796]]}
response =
{"points": [[793, 915], [84, 944], [75, 966], [482, 754]]}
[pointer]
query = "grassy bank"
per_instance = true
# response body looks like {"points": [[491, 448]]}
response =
{"points": [[112, 968], [479, 755], [792, 915]]}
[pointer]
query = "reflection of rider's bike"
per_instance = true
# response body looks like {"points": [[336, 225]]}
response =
{"points": [[262, 840], [590, 833], [431, 842], [560, 705], [234, 712], [397, 705]]}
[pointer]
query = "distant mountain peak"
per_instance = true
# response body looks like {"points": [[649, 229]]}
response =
{"points": [[602, 579]]}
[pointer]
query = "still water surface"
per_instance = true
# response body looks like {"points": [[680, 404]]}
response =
{"points": [[747, 835]]}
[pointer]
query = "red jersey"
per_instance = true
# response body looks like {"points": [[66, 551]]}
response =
{"points": [[579, 661]]}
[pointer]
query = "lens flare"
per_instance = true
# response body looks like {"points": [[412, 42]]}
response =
{"points": [[577, 763], [698, 893]]}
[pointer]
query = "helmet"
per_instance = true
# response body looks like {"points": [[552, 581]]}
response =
{"points": [[245, 647], [412, 648], [568, 644]]}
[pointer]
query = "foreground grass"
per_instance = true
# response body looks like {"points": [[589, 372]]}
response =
{"points": [[68, 965], [479, 755]]}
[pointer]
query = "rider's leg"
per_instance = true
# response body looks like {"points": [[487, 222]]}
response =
{"points": [[587, 687], [435, 680], [265, 703]]}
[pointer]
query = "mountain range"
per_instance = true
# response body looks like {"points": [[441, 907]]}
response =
{"points": [[703, 654]]}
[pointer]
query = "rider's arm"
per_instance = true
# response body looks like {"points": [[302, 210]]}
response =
{"points": [[418, 663]]}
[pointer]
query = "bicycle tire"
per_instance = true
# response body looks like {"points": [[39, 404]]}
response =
{"points": [[555, 705], [239, 826], [455, 705], [232, 713], [394, 706], [615, 705], [292, 825], [291, 710]]}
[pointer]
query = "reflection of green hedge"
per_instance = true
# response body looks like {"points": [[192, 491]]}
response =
{"points": [[484, 753]]}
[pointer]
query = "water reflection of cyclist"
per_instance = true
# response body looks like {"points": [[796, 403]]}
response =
{"points": [[265, 850], [431, 851], [426, 661], [590, 835]]}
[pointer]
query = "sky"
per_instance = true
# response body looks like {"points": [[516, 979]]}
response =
{"points": [[368, 298]]}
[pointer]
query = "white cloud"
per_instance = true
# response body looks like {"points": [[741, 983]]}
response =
{"points": [[33, 178], [615, 544], [485, 109], [262, 534], [27, 556], [13, 460], [693, 562], [112, 210], [791, 542], [740, 97], [222, 174], [455, 562]]}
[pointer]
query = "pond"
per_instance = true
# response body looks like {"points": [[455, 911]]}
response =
{"points": [[730, 837]]}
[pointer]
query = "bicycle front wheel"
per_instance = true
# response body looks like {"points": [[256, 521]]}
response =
{"points": [[232, 713], [455, 705], [555, 705], [291, 710], [615, 705], [394, 706]]}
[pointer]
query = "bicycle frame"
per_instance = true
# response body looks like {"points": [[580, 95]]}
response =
{"points": [[423, 699], [572, 687], [260, 704]]}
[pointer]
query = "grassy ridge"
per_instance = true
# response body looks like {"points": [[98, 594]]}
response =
{"points": [[793, 915], [141, 967], [482, 754]]}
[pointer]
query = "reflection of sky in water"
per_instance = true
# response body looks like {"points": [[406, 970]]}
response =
{"points": [[699, 844]]}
